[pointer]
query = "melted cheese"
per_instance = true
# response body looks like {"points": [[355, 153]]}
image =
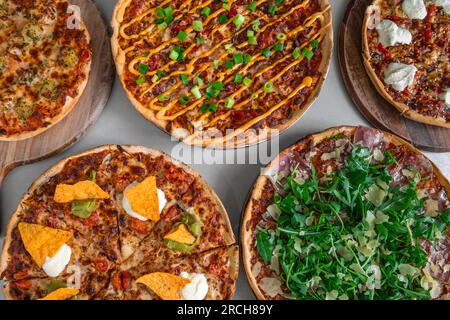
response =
{"points": [[414, 9], [399, 75]]}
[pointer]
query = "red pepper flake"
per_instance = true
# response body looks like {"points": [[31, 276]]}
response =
{"points": [[383, 51]]}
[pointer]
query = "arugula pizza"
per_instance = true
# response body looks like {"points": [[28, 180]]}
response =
{"points": [[406, 54], [105, 218], [348, 213], [222, 73], [44, 65]]}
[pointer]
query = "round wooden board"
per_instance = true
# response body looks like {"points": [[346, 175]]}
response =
{"points": [[84, 114], [372, 105]]}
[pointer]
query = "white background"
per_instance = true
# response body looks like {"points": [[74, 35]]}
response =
{"points": [[121, 124]]}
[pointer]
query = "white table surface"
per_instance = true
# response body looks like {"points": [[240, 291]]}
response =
{"points": [[121, 124]]}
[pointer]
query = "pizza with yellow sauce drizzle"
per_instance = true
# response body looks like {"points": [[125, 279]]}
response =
{"points": [[222, 73], [45, 60]]}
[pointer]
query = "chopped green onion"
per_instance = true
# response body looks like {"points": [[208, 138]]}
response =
{"points": [[238, 58], [254, 96], [229, 48], [155, 78], [252, 6], [247, 58], [255, 25], [198, 80], [315, 43], [252, 41], [165, 16], [182, 36], [278, 47], [226, 6], [200, 40], [223, 19], [209, 108], [266, 53], [250, 33], [247, 81], [267, 87], [174, 55], [206, 11], [143, 68], [140, 80], [229, 64], [238, 20], [184, 100], [238, 78], [229, 103], [214, 90], [296, 53], [162, 26], [307, 53], [281, 36], [163, 98], [184, 78], [216, 64], [160, 73], [273, 10], [196, 92], [197, 25]]}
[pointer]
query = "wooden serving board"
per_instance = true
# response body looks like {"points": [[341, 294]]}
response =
{"points": [[84, 114], [372, 105]]}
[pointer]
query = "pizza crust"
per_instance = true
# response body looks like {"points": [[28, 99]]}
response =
{"points": [[68, 106], [248, 139], [14, 220], [404, 109], [256, 192]]}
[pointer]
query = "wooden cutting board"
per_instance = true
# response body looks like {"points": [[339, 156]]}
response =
{"points": [[84, 114], [372, 105]]}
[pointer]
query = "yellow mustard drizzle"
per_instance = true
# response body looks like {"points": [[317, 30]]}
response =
{"points": [[191, 72]]}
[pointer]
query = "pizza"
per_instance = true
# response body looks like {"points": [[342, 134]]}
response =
{"points": [[348, 213], [222, 74], [45, 59], [406, 54], [101, 220]]}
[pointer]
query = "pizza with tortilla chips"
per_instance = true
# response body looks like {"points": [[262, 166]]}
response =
{"points": [[119, 222], [222, 73], [348, 213], [45, 62]]}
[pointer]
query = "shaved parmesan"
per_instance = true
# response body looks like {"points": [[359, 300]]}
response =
{"points": [[431, 208], [271, 287], [256, 269]]}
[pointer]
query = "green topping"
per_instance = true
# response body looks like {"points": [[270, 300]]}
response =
{"points": [[55, 285], [162, 98], [197, 25], [296, 53], [238, 58], [247, 58], [351, 233], [252, 41], [238, 20], [184, 100], [281, 36], [255, 25], [176, 53], [238, 78], [196, 92], [143, 69], [223, 19], [266, 53], [209, 108], [230, 103], [226, 6], [247, 81], [184, 79], [173, 55], [272, 9], [194, 226], [140, 80], [200, 40], [182, 36], [278, 47], [84, 208], [164, 17], [315, 43], [206, 11], [213, 90], [198, 81], [229, 64], [252, 6], [307, 53], [268, 86], [155, 78]]}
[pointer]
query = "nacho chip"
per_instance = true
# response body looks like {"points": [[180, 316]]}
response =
{"points": [[41, 241], [82, 190], [167, 286], [61, 294], [143, 198], [180, 234]]}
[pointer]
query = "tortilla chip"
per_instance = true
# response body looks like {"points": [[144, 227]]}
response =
{"points": [[61, 294], [143, 198], [82, 190], [41, 241], [180, 234], [167, 286]]}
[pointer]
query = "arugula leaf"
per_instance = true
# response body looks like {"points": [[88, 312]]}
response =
{"points": [[265, 248]]}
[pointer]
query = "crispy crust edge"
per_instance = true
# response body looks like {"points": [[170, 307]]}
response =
{"points": [[68, 106], [404, 109], [55, 169], [247, 140], [256, 191]]}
